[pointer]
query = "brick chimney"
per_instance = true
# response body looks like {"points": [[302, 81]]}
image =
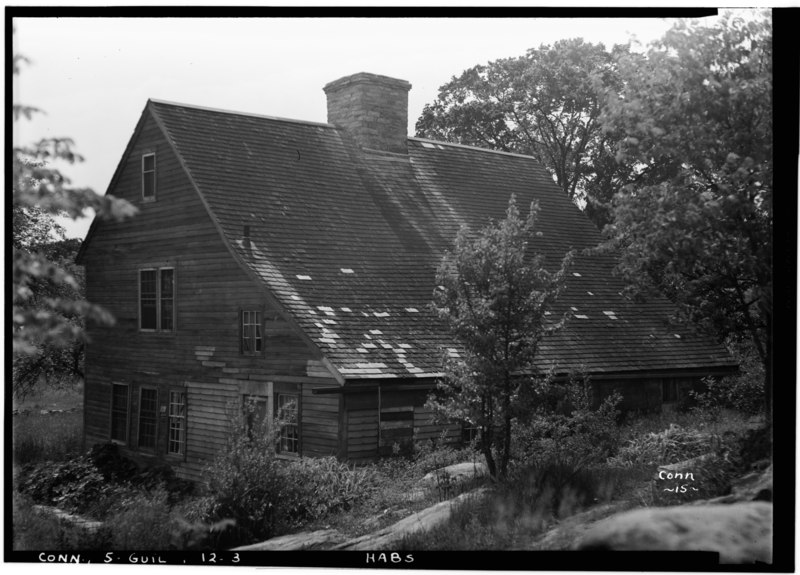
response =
{"points": [[373, 109]]}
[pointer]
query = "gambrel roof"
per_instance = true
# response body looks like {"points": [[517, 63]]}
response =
{"points": [[348, 239]]}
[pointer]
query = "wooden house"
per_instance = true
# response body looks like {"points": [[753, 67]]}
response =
{"points": [[292, 263]]}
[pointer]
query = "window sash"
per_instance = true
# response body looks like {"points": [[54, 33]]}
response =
{"points": [[166, 298], [119, 412], [177, 423], [157, 299], [148, 417], [252, 341], [148, 296], [149, 176]]}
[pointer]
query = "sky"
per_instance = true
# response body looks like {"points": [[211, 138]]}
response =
{"points": [[92, 76]]}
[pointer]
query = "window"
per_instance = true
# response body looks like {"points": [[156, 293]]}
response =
{"points": [[251, 332], [148, 417], [157, 299], [289, 437], [149, 176], [470, 432], [177, 423], [119, 412]]}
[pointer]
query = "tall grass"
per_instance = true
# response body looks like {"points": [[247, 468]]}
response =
{"points": [[51, 437]]}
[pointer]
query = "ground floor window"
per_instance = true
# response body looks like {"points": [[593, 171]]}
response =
{"points": [[287, 414], [469, 432], [148, 417], [177, 423], [119, 412]]}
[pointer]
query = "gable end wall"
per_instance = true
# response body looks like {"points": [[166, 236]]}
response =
{"points": [[202, 355]]}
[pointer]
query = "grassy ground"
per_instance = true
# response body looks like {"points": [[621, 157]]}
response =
{"points": [[52, 436]]}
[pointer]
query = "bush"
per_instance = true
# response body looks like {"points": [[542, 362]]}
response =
{"points": [[744, 393], [571, 434], [73, 485], [143, 521], [266, 495]]}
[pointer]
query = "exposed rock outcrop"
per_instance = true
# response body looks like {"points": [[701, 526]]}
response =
{"points": [[390, 536], [740, 532]]}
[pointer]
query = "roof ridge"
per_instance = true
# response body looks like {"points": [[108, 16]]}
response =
{"points": [[238, 113], [476, 148]]}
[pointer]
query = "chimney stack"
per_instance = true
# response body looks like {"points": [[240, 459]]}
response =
{"points": [[373, 109]]}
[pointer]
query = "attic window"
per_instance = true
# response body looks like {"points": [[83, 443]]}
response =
{"points": [[149, 176]]}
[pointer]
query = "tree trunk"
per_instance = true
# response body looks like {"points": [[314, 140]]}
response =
{"points": [[504, 457]]}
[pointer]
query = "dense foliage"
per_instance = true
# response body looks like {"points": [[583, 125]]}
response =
{"points": [[546, 103], [266, 495], [48, 307], [696, 222], [493, 295]]}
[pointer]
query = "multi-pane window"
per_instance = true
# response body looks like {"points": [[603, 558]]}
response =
{"points": [[149, 176], [289, 436], [251, 332], [119, 412], [157, 299], [148, 416], [177, 423]]}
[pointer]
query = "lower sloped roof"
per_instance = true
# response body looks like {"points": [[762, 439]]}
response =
{"points": [[348, 240]]}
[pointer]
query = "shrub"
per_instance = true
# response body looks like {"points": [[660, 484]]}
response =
{"points": [[143, 520], [74, 485], [570, 433], [266, 495], [743, 393]]}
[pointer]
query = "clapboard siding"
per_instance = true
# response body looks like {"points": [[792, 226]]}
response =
{"points": [[362, 434], [202, 355], [320, 420]]}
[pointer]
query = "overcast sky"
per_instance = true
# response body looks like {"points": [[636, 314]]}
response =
{"points": [[93, 76]]}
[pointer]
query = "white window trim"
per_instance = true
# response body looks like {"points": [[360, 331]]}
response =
{"points": [[158, 271], [185, 418], [154, 171]]}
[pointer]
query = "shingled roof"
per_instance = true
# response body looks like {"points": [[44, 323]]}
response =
{"points": [[348, 240]]}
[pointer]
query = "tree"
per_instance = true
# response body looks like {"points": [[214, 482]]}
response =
{"points": [[48, 307], [546, 104], [494, 295], [696, 222]]}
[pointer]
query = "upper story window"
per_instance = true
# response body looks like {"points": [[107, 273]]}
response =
{"points": [[149, 176], [251, 332], [157, 299]]}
